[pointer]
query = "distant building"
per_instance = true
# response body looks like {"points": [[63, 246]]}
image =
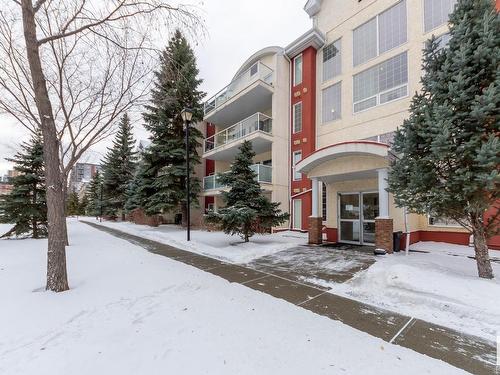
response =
{"points": [[5, 188], [80, 177]]}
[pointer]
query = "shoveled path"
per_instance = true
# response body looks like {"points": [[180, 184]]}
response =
{"points": [[470, 353]]}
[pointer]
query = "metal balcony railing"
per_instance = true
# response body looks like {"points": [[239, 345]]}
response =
{"points": [[264, 175], [255, 72], [256, 122]]}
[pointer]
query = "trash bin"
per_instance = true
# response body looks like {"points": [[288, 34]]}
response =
{"points": [[396, 240], [178, 219]]}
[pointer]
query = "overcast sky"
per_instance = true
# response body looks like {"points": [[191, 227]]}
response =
{"points": [[235, 30]]}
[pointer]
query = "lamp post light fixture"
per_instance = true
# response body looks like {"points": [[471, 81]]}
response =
{"points": [[187, 115]]}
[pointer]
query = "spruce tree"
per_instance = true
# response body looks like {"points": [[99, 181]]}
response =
{"points": [[162, 175], [82, 208], [118, 169], [25, 206], [448, 148], [248, 210], [72, 204], [95, 196]]}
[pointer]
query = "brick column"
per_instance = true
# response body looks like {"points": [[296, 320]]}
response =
{"points": [[383, 234], [315, 227]]}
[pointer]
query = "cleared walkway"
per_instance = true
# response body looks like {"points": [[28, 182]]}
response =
{"points": [[470, 353]]}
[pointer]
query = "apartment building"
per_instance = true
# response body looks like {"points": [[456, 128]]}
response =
{"points": [[80, 177], [321, 114]]}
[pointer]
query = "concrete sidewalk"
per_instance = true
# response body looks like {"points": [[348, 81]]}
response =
{"points": [[470, 353]]}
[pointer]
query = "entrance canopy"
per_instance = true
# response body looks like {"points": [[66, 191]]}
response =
{"points": [[346, 161]]}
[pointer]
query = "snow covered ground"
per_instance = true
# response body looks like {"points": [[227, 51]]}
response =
{"points": [[441, 287], [133, 312], [214, 244]]}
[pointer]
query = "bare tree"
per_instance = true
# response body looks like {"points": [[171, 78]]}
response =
{"points": [[71, 68]]}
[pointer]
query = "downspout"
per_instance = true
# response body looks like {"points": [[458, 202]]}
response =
{"points": [[289, 138], [407, 230]]}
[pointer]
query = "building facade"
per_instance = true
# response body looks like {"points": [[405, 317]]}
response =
{"points": [[80, 177], [321, 114]]}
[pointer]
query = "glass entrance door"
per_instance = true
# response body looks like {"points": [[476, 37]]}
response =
{"points": [[357, 213], [370, 212], [349, 218]]}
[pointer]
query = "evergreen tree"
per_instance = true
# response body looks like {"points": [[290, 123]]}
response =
{"points": [[162, 175], [248, 210], [72, 204], [82, 208], [118, 169], [95, 196], [448, 148], [25, 206]]}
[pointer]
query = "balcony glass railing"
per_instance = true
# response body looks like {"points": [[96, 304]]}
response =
{"points": [[264, 175], [256, 122], [255, 72]]}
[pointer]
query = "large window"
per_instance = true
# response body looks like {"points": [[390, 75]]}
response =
{"points": [[332, 65], [297, 156], [380, 34], [331, 103], [297, 117], [381, 83], [436, 12], [442, 222], [297, 70]]}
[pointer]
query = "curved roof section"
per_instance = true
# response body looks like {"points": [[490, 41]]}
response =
{"points": [[256, 57], [338, 150]]}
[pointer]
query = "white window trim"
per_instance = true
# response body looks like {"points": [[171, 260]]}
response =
{"points": [[294, 176], [377, 96], [294, 119], [294, 214], [378, 41], [295, 83]]}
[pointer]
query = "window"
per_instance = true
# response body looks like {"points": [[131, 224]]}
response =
{"points": [[331, 103], [210, 207], [443, 41], [323, 201], [297, 214], [442, 222], [332, 65], [381, 83], [436, 12], [297, 156], [297, 70], [380, 34], [297, 117]]}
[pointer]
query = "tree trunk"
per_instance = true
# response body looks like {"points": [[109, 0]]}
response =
{"points": [[57, 279], [481, 250]]}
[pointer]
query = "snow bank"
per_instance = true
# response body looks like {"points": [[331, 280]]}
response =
{"points": [[436, 287], [133, 312], [215, 244]]}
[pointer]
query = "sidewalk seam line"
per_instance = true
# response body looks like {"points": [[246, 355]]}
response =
{"points": [[310, 299], [401, 330], [258, 278]]}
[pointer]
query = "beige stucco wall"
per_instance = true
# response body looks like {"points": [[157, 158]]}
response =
{"points": [[337, 19]]}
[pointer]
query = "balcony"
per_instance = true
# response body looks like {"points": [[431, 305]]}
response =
{"points": [[264, 175], [224, 145], [248, 93]]}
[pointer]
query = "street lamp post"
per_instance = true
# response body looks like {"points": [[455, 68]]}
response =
{"points": [[187, 115]]}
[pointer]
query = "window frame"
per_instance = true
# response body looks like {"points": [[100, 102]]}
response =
{"points": [[339, 83], [376, 17], [435, 27], [324, 203], [429, 217], [295, 82], [323, 80], [294, 119], [294, 164], [378, 94]]}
